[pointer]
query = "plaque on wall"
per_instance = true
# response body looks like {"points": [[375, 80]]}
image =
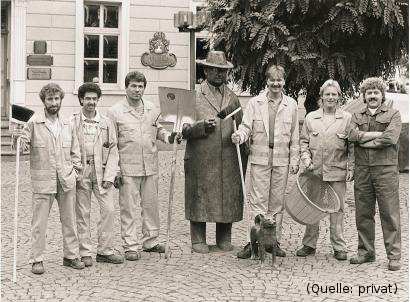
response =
{"points": [[158, 56], [38, 73], [40, 60]]}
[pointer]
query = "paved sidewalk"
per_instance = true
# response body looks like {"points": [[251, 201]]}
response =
{"points": [[185, 276]]}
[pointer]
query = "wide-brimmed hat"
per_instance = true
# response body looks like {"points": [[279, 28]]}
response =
{"points": [[216, 59]]}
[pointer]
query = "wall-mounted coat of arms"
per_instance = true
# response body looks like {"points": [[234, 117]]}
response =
{"points": [[158, 56]]}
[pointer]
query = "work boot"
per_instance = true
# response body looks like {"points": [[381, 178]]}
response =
{"points": [[394, 265], [115, 259], [88, 261], [340, 255], [305, 251], [245, 253], [362, 259], [200, 248], [73, 263], [223, 236], [37, 268], [132, 255], [198, 237], [159, 248]]}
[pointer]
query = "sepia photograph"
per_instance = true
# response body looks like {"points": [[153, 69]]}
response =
{"points": [[204, 150]]}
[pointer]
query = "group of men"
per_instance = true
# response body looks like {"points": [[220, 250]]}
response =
{"points": [[93, 152]]}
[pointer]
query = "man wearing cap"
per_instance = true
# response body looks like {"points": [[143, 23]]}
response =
{"points": [[137, 129], [55, 164], [99, 154], [213, 191], [375, 130]]}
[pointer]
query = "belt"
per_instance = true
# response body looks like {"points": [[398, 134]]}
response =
{"points": [[90, 160], [270, 146]]}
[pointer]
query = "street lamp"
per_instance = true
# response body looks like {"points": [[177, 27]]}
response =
{"points": [[187, 21]]}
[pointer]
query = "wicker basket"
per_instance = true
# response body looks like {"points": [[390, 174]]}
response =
{"points": [[311, 199]]}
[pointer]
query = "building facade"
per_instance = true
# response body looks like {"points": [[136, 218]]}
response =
{"points": [[73, 41]]}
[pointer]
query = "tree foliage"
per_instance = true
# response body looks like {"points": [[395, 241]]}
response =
{"points": [[346, 40]]}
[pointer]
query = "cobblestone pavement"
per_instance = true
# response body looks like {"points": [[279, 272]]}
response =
{"points": [[218, 276]]}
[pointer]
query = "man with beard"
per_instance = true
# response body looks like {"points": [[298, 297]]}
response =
{"points": [[99, 154], [213, 190], [55, 164], [137, 129], [375, 130]]}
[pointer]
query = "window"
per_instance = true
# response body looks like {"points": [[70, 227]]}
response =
{"points": [[102, 43], [101, 33]]}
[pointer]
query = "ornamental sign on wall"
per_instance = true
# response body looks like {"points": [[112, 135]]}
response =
{"points": [[158, 56]]}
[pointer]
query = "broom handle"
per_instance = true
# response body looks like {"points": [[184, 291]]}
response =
{"points": [[16, 198], [171, 195], [245, 199]]}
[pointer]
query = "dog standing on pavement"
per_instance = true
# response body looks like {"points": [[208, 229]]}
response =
{"points": [[263, 238]]}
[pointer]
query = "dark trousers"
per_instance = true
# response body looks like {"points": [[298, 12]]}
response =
{"points": [[198, 232], [379, 183]]}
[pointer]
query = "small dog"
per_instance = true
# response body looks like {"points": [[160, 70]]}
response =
{"points": [[263, 238]]}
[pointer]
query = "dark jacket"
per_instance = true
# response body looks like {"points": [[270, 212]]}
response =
{"points": [[213, 191], [385, 151]]}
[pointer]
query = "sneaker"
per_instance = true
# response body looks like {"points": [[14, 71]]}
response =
{"points": [[305, 251], [362, 259], [115, 259], [37, 268], [200, 248], [394, 265], [159, 248], [88, 261], [340, 255], [245, 253], [74, 263], [132, 255]]}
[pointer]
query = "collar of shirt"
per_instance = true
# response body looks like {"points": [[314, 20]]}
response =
{"points": [[215, 89], [54, 126], [128, 107], [373, 111], [95, 119], [275, 101]]}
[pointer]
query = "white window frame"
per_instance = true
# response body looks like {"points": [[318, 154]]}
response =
{"points": [[123, 44]]}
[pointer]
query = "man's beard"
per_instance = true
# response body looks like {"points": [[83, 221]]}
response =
{"points": [[53, 110]]}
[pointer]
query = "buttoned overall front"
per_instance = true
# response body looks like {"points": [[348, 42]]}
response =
{"points": [[54, 165], [328, 149], [137, 132], [377, 178], [100, 165], [270, 164]]}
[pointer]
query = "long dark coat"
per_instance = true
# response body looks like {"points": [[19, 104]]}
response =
{"points": [[213, 191]]}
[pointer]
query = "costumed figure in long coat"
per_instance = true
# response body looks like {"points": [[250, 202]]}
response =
{"points": [[213, 191]]}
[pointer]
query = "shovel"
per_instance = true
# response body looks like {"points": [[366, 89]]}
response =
{"points": [[178, 107]]}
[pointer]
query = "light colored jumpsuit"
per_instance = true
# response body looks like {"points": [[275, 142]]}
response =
{"points": [[270, 163], [54, 165], [99, 154], [328, 149], [137, 131]]}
